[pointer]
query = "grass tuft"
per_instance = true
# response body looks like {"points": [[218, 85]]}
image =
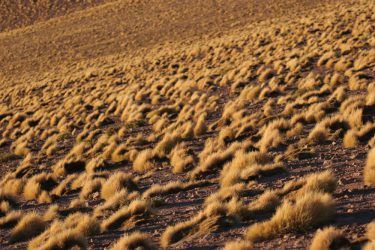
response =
{"points": [[134, 241], [310, 211], [369, 171], [28, 227], [329, 238]]}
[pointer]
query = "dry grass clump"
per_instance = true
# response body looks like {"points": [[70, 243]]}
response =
{"points": [[55, 238], [329, 238], [319, 134], [10, 219], [210, 146], [273, 134], [171, 187], [80, 180], [354, 117], [370, 233], [51, 213], [93, 185], [356, 136], [200, 127], [67, 234], [4, 208], [249, 92], [245, 166], [133, 241], [225, 194], [351, 139], [37, 184], [78, 150], [77, 204], [324, 182], [370, 245], [215, 160], [96, 164], [351, 104], [83, 223], [165, 146], [128, 215], [69, 239], [216, 215], [370, 99], [338, 95], [116, 201], [267, 202], [108, 150], [28, 227], [257, 102], [102, 144], [6, 157], [65, 185], [180, 159], [309, 211], [369, 171], [51, 150], [116, 183], [179, 231], [143, 161], [22, 149], [8, 196], [69, 165], [44, 197], [238, 245], [120, 153]]}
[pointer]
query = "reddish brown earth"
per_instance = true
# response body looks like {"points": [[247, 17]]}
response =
{"points": [[140, 41]]}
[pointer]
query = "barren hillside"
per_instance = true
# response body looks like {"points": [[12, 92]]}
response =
{"points": [[21, 13], [190, 125]]}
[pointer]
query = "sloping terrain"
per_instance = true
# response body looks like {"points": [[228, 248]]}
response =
{"points": [[21, 13], [232, 130], [126, 27]]}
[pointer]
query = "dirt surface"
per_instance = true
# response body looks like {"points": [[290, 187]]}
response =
{"points": [[17, 14], [152, 68]]}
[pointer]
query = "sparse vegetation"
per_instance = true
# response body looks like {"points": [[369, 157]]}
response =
{"points": [[256, 118], [370, 236], [238, 245], [116, 183], [309, 211], [28, 227], [369, 172], [134, 241], [329, 238], [127, 215]]}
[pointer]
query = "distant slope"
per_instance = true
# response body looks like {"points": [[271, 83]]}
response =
{"points": [[127, 27], [20, 13]]}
